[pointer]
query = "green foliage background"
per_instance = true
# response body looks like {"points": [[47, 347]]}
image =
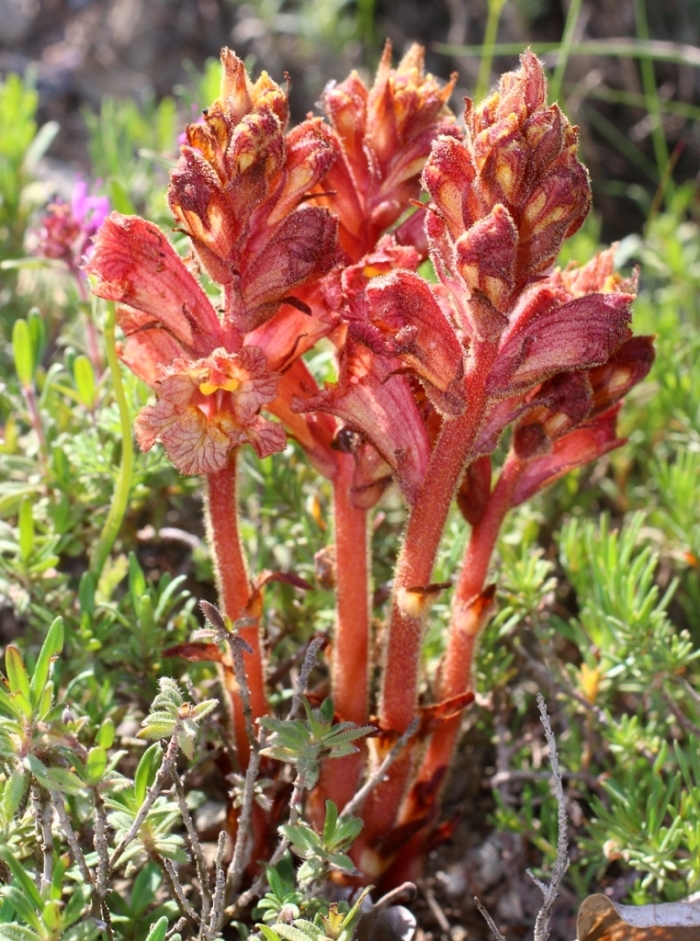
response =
{"points": [[599, 587]]}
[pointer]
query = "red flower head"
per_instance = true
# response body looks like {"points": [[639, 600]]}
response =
{"points": [[238, 192], [383, 137], [505, 198], [209, 398]]}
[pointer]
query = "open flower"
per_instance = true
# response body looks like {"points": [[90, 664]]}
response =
{"points": [[209, 406]]}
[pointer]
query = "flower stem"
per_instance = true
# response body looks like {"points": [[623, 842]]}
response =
{"points": [[350, 649], [426, 523], [120, 500], [470, 613], [234, 592], [399, 695], [350, 665]]}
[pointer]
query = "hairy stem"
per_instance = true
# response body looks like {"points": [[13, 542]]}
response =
{"points": [[350, 664], [234, 592], [399, 695], [350, 668], [470, 613], [426, 523]]}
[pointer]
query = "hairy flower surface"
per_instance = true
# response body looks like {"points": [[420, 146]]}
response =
{"points": [[238, 192], [209, 397], [504, 198], [209, 406], [382, 136]]}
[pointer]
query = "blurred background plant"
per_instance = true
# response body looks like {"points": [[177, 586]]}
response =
{"points": [[598, 579]]}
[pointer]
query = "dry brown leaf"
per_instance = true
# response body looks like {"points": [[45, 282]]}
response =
{"points": [[599, 919]]}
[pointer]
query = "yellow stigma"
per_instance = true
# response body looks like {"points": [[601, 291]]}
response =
{"points": [[373, 271], [209, 387]]}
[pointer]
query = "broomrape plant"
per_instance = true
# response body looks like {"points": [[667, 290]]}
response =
{"points": [[320, 234]]}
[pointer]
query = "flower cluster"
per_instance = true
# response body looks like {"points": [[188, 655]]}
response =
{"points": [[239, 193], [316, 232]]}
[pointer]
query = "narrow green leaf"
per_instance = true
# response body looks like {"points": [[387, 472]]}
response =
{"points": [[146, 885], [14, 932], [52, 646], [51, 914], [96, 764], [9, 705], [37, 334], [22, 352], [203, 709], [146, 771], [144, 608], [330, 822], [16, 671], [14, 791], [25, 525], [86, 593], [39, 146], [45, 703], [22, 905], [75, 905], [121, 202], [39, 770], [86, 930], [268, 933], [84, 381], [105, 736], [22, 876], [137, 580], [61, 466], [156, 730], [65, 781]]}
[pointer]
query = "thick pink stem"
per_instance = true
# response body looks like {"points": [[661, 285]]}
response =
{"points": [[417, 559], [234, 591], [399, 695], [469, 615], [349, 666]]}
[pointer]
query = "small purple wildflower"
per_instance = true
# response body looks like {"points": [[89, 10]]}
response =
{"points": [[89, 211], [67, 229]]}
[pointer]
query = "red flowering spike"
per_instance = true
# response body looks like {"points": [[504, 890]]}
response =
{"points": [[207, 407], [237, 192], [383, 137], [504, 198]]}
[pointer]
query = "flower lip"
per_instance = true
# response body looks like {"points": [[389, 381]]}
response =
{"points": [[208, 407]]}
